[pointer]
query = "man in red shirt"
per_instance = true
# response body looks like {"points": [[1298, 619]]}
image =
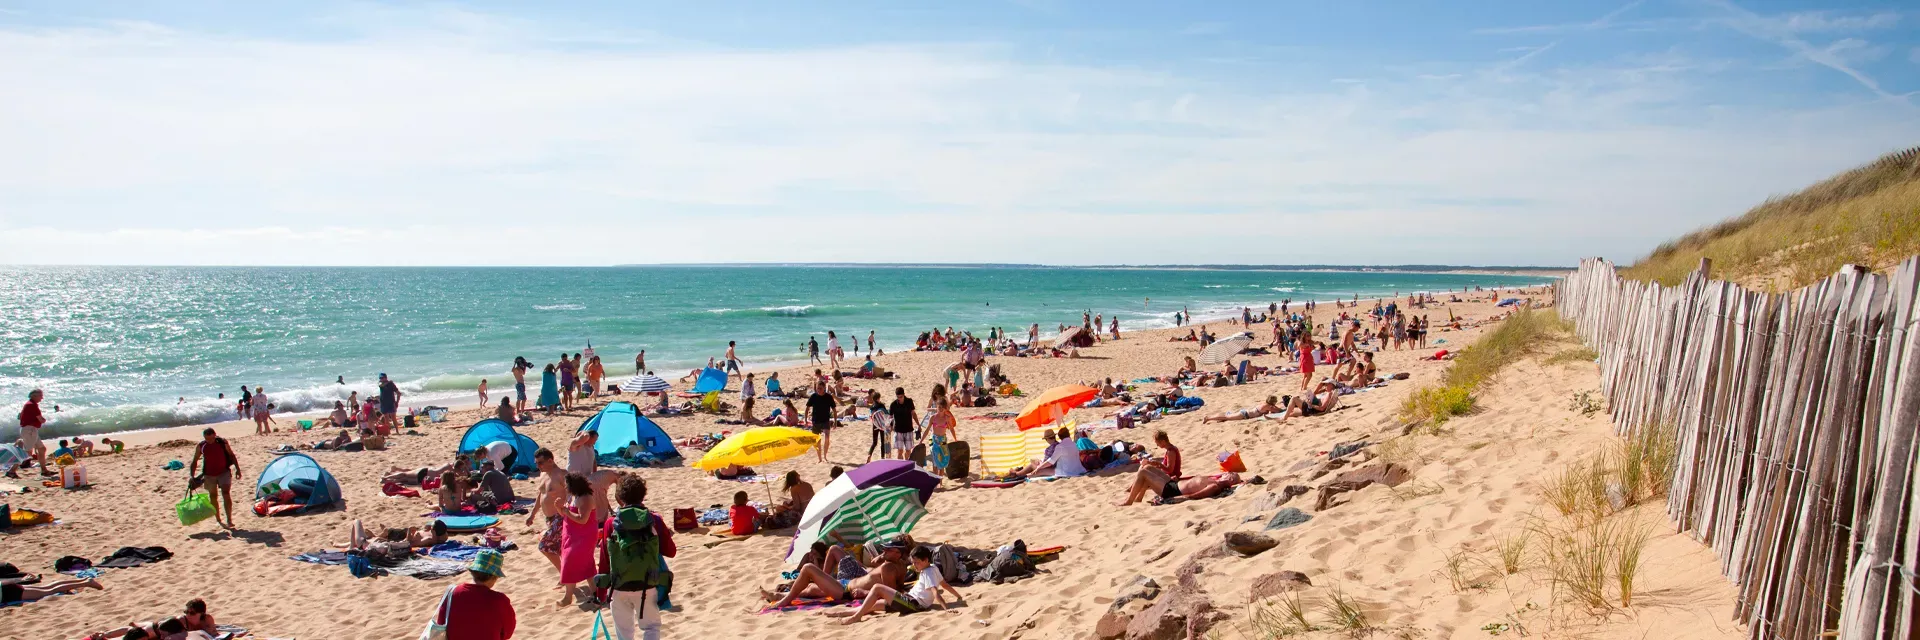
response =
{"points": [[1159, 475], [217, 475], [474, 611], [30, 422]]}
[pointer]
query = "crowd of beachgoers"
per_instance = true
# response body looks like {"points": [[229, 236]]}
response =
{"points": [[610, 549]]}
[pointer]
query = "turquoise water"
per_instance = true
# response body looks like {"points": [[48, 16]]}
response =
{"points": [[120, 348]]}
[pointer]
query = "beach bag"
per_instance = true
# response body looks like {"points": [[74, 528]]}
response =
{"points": [[193, 508], [685, 520], [437, 626], [633, 552], [959, 460]]}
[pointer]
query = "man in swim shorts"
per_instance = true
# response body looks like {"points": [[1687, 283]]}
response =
{"points": [[553, 486]]}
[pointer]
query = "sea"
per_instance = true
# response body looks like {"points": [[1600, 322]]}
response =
{"points": [[128, 348]]}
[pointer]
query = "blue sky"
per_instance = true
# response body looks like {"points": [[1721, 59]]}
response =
{"points": [[1028, 131]]}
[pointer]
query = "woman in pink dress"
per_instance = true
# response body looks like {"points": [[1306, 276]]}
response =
{"points": [[578, 537]]}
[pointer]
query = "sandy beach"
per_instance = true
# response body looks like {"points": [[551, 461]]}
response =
{"points": [[1388, 549]]}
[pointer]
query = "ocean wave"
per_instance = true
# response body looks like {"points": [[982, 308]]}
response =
{"points": [[560, 307], [1281, 289], [1214, 286], [80, 420], [793, 310]]}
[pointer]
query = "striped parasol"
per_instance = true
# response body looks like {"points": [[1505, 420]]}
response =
{"points": [[879, 513], [645, 383]]}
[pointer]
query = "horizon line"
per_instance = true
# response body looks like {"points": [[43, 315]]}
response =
{"points": [[977, 265]]}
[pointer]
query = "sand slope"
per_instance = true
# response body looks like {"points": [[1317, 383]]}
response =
{"points": [[1386, 548]]}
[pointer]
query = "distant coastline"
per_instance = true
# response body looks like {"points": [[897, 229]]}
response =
{"points": [[1309, 268]]}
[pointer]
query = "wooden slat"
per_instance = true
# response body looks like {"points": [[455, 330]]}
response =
{"points": [[1795, 417]]}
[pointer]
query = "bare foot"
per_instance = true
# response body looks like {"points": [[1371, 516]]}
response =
{"points": [[93, 584]]}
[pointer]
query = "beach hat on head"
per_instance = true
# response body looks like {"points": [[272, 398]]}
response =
{"points": [[488, 561]]}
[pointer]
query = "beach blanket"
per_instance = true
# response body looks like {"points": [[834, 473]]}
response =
{"points": [[427, 568], [455, 550], [468, 524], [322, 557]]}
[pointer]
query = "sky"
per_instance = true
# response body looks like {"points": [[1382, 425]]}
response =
{"points": [[1028, 131]]}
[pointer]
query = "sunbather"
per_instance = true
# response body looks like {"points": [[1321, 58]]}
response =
{"points": [[1324, 398], [788, 512], [415, 477], [815, 582], [925, 593], [22, 593], [1156, 474], [1271, 406]]}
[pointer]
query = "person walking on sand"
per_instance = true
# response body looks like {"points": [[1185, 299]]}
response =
{"points": [[31, 420], [552, 489], [389, 404], [520, 367], [217, 475], [813, 350], [820, 406], [834, 354], [869, 341], [733, 362], [638, 542], [483, 393]]}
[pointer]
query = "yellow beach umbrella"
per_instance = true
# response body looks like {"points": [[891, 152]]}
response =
{"points": [[759, 445], [1052, 405]]}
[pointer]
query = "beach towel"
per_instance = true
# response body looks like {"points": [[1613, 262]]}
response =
{"points": [[805, 604], [322, 557], [455, 550], [427, 568], [394, 489]]}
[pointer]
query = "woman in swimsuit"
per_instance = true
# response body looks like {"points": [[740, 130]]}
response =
{"points": [[940, 428]]}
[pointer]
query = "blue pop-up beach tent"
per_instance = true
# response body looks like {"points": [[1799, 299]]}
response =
{"points": [[312, 485], [493, 430], [621, 425], [710, 380]]}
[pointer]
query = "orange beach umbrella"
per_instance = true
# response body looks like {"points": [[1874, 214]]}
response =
{"points": [[1053, 404]]}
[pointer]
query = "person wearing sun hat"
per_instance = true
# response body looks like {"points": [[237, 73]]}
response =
{"points": [[474, 611]]}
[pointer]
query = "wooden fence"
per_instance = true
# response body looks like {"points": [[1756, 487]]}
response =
{"points": [[1796, 420]]}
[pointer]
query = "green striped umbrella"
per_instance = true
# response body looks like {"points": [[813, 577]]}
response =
{"points": [[879, 513]]}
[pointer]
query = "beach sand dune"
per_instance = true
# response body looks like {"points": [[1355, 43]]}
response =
{"points": [[1385, 548]]}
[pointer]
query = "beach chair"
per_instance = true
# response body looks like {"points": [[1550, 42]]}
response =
{"points": [[1002, 452]]}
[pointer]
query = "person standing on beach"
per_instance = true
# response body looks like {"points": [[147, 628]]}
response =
{"points": [[640, 363], [834, 353], [31, 420], [389, 404], [520, 367], [733, 362], [595, 374], [869, 341], [261, 409], [813, 350], [567, 382], [820, 406], [245, 408], [483, 393], [1033, 335], [216, 476]]}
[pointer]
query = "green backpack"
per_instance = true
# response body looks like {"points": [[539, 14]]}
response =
{"points": [[633, 553]]}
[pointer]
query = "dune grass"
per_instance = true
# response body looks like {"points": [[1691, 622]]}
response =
{"points": [[1519, 335], [1867, 216]]}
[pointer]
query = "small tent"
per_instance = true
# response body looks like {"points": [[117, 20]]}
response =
{"points": [[493, 430], [711, 379], [621, 425], [311, 484]]}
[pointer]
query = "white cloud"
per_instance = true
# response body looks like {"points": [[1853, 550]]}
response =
{"points": [[1815, 21], [461, 139]]}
